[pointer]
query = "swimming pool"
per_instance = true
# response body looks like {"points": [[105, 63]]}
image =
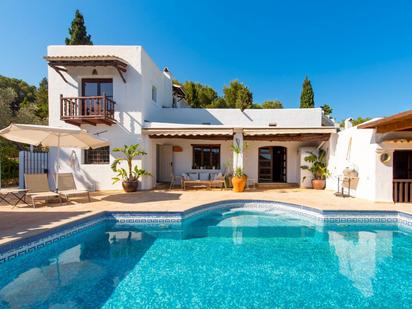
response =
{"points": [[227, 257]]}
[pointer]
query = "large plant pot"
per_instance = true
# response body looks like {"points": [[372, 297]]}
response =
{"points": [[130, 186], [318, 184], [239, 183]]}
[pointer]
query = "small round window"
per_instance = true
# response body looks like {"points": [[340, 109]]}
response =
{"points": [[385, 157]]}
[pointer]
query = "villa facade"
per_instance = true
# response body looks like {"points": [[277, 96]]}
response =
{"points": [[119, 94]]}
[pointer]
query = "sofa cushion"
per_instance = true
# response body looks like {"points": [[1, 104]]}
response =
{"points": [[204, 176], [193, 176]]}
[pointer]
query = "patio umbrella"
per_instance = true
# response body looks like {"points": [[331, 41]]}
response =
{"points": [[51, 137]]}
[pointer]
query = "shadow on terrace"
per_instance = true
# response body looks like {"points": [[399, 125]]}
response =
{"points": [[19, 224], [140, 197]]}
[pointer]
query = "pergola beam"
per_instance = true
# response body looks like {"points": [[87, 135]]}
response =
{"points": [[60, 65]]}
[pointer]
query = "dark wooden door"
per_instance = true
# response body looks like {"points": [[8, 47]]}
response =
{"points": [[402, 176], [279, 164], [272, 164], [265, 164]]}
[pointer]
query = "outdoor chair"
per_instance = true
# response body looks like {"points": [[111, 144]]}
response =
{"points": [[67, 187], [38, 188]]}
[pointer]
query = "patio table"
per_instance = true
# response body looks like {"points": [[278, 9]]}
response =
{"points": [[18, 194]]}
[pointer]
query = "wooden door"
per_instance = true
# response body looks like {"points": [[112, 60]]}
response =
{"points": [[279, 164], [165, 163], [272, 164], [265, 164], [402, 176]]}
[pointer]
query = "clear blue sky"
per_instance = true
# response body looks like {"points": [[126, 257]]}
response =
{"points": [[358, 54]]}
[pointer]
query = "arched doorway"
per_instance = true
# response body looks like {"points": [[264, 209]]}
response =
{"points": [[272, 164]]}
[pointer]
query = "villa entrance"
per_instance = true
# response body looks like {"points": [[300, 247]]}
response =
{"points": [[402, 176], [272, 164]]}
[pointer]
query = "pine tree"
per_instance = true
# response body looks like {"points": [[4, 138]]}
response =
{"points": [[238, 95], [78, 31], [42, 100], [307, 97]]}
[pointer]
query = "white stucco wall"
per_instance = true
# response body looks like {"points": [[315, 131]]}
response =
{"points": [[285, 118], [133, 101], [360, 155]]}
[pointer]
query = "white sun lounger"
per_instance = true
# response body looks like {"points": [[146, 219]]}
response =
{"points": [[38, 188], [67, 187]]}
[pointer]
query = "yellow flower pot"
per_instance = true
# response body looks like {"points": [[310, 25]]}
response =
{"points": [[239, 183]]}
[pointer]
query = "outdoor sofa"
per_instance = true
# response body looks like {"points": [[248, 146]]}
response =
{"points": [[203, 179]]}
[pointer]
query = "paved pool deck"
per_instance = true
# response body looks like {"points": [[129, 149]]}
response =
{"points": [[25, 221]]}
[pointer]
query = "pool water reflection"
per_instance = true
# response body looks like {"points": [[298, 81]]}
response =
{"points": [[226, 259]]}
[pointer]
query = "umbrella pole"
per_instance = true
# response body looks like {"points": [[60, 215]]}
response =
{"points": [[58, 163]]}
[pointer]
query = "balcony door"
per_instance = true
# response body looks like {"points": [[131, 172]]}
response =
{"points": [[97, 87], [94, 90], [272, 164]]}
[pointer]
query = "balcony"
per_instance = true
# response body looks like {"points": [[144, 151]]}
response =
{"points": [[87, 110]]}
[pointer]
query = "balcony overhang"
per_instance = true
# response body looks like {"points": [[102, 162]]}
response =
{"points": [[61, 63], [395, 123]]}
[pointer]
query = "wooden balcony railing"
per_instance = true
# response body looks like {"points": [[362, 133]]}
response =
{"points": [[402, 190], [87, 110]]}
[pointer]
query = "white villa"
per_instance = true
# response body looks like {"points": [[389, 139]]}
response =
{"points": [[119, 94]]}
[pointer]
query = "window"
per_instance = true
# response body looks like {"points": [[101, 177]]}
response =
{"points": [[206, 157], [97, 87], [154, 94], [97, 156]]}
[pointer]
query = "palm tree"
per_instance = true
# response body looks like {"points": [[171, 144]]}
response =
{"points": [[129, 154]]}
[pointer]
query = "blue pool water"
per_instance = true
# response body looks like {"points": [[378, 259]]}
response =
{"points": [[225, 259]]}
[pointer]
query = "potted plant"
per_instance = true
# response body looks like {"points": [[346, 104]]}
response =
{"points": [[318, 168], [129, 177], [239, 180]]}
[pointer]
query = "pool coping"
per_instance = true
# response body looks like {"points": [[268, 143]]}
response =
{"points": [[25, 245]]}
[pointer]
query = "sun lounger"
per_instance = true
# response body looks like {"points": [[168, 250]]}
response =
{"points": [[38, 188], [67, 187]]}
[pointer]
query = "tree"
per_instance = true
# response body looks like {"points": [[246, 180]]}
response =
{"points": [[42, 100], [198, 95], [272, 104], [356, 121], [327, 110], [218, 103], [24, 93], [360, 120], [78, 32], [307, 97], [7, 95], [238, 95]]}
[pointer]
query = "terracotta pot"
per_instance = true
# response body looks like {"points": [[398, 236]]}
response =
{"points": [[318, 184], [130, 186], [239, 183]]}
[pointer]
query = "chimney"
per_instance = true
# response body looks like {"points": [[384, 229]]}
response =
{"points": [[348, 123], [167, 73]]}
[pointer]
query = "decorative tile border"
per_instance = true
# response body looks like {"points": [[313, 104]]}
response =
{"points": [[175, 220]]}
